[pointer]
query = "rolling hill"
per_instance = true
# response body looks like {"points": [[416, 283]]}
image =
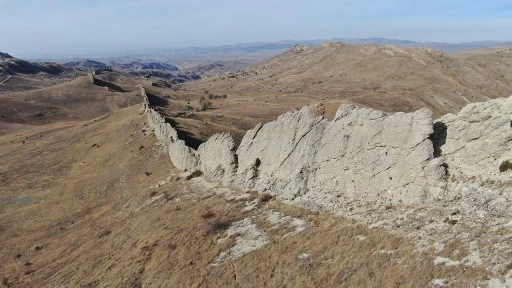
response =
{"points": [[150, 65], [21, 75], [389, 78], [86, 64], [73, 100]]}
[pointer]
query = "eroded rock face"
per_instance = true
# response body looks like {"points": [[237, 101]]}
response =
{"points": [[276, 156], [92, 80], [182, 156], [217, 157], [476, 141], [362, 155], [365, 154]]}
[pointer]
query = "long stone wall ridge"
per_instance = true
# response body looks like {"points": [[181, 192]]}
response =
{"points": [[363, 154]]}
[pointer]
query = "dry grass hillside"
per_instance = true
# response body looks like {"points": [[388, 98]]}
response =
{"points": [[384, 77], [77, 99], [21, 75], [98, 204]]}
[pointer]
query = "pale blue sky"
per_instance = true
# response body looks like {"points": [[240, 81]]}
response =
{"points": [[31, 28]]}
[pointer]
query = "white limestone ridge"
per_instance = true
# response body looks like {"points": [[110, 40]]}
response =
{"points": [[363, 154]]}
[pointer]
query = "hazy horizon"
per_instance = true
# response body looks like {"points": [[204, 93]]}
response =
{"points": [[34, 29]]}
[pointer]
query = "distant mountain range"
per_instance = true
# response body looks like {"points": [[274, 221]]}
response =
{"points": [[263, 48], [280, 46]]}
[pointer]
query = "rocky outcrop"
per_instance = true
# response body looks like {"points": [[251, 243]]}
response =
{"points": [[182, 156], [218, 159], [92, 80], [376, 167], [361, 155], [276, 156], [476, 141]]}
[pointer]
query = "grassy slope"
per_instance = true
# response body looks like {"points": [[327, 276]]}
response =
{"points": [[386, 78], [73, 100]]}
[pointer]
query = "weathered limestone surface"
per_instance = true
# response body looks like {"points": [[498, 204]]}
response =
{"points": [[475, 141], [361, 155], [182, 156], [276, 156], [365, 154], [145, 100], [217, 157], [91, 78]]}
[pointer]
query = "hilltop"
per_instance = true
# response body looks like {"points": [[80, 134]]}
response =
{"points": [[146, 65], [388, 78], [10, 65], [86, 64], [77, 99], [21, 75]]}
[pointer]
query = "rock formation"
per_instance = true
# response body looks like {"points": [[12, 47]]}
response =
{"points": [[477, 140], [361, 155], [92, 80]]}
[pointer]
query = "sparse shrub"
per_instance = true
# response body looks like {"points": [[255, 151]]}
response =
{"points": [[148, 173], [450, 221], [265, 197], [505, 166], [211, 96], [152, 194], [104, 233], [217, 225], [208, 215], [206, 92], [204, 104], [39, 114]]}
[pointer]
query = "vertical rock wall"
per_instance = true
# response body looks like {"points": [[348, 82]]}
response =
{"points": [[92, 80], [476, 141], [361, 155]]}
